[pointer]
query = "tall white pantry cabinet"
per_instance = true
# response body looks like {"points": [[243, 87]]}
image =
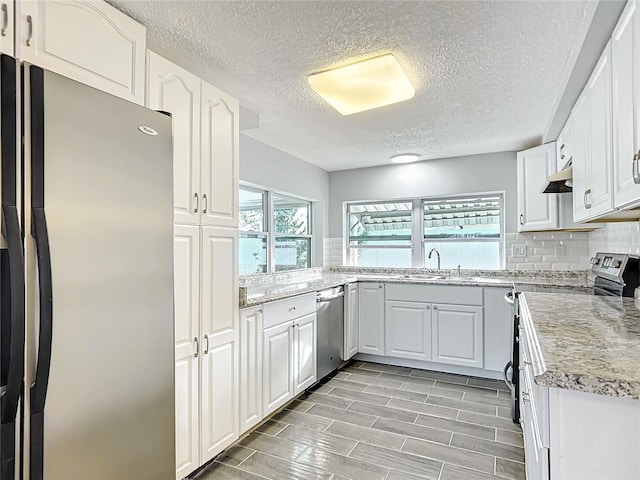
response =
{"points": [[206, 129]]}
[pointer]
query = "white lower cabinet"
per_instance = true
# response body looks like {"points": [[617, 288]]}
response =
{"points": [[305, 353], [277, 366], [351, 323], [207, 344], [408, 330], [250, 367], [457, 336], [371, 324], [289, 350]]}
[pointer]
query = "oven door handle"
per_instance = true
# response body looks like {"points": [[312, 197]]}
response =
{"points": [[506, 378]]}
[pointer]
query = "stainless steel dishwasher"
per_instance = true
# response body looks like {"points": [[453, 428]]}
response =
{"points": [[330, 307]]}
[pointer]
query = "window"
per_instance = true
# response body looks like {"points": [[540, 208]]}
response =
{"points": [[466, 230], [253, 231], [275, 231], [380, 234]]}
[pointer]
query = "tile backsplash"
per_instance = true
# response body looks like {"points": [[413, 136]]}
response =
{"points": [[623, 237], [545, 250]]}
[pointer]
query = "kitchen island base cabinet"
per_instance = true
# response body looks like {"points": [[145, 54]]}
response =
{"points": [[457, 335], [408, 330], [371, 306]]}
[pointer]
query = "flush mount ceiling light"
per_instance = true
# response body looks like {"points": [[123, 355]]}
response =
{"points": [[405, 158], [364, 85]]}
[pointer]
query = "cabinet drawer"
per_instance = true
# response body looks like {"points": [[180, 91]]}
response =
{"points": [[434, 294], [288, 309]]}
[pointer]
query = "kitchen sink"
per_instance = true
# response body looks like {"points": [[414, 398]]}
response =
{"points": [[424, 277]]}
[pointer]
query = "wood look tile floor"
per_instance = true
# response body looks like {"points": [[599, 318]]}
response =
{"points": [[380, 422]]}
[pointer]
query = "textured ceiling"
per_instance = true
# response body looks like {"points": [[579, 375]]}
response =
{"points": [[486, 73]]}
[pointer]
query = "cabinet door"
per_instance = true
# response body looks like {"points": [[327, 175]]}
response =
{"points": [[599, 196], [371, 319], [172, 89], [219, 330], [351, 321], [457, 335], [581, 148], [536, 210], [625, 62], [219, 180], [305, 353], [408, 330], [250, 367], [89, 41], [7, 31], [498, 329], [187, 293], [277, 367]]}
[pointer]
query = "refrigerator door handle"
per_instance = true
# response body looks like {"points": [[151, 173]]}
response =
{"points": [[39, 231], [9, 403], [39, 387]]}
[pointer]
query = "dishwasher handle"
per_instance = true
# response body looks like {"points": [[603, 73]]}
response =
{"points": [[322, 298]]}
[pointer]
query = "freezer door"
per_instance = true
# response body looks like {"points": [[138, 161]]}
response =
{"points": [[100, 280]]}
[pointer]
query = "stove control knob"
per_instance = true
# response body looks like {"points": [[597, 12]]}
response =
{"points": [[616, 264], [595, 261]]}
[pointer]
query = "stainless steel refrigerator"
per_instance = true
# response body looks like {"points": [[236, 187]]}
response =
{"points": [[86, 264]]}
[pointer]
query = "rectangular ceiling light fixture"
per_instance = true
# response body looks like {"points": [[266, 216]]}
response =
{"points": [[364, 85]]}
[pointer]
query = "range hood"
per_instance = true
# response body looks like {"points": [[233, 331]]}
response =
{"points": [[560, 182]]}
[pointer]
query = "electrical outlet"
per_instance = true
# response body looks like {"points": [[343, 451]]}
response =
{"points": [[519, 251], [561, 251]]}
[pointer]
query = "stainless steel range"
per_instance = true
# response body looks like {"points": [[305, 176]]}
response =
{"points": [[617, 274]]}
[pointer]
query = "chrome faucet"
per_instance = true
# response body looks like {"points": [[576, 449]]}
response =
{"points": [[437, 253]]}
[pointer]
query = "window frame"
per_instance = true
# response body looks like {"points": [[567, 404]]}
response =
{"points": [[417, 243], [269, 225]]}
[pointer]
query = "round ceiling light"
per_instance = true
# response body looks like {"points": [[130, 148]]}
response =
{"points": [[405, 158]]}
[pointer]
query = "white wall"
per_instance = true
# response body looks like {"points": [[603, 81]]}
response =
{"points": [[470, 174], [266, 166]]}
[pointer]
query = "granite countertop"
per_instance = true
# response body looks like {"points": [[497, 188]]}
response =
{"points": [[260, 292], [587, 343]]}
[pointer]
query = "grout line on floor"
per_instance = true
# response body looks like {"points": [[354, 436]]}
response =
{"points": [[441, 470]]}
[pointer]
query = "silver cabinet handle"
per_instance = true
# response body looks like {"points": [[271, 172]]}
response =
{"points": [[5, 20], [30, 34], [195, 339], [562, 152], [428, 307], [195, 210], [205, 203], [292, 309], [435, 307], [379, 286], [587, 192], [525, 397], [521, 219], [206, 349], [634, 168]]}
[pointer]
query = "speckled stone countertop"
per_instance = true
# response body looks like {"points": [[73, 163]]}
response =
{"points": [[258, 289], [587, 343]]}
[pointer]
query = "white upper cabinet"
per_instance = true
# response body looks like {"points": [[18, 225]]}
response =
{"points": [[592, 165], [599, 190], [89, 41], [7, 31], [536, 210], [219, 175], [625, 61], [205, 143], [172, 89]]}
